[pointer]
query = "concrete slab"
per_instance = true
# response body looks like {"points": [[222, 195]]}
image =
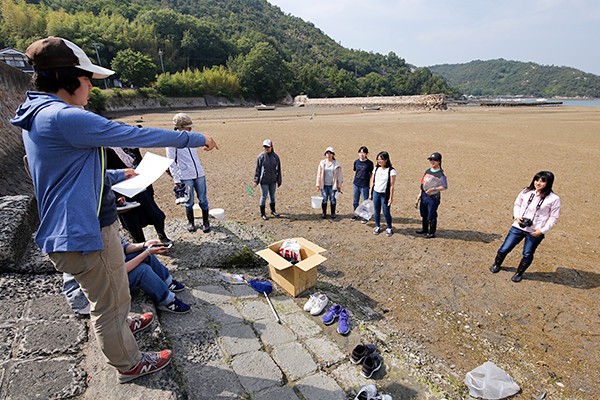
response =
{"points": [[237, 339], [320, 387], [285, 305], [325, 350], [302, 325], [280, 393], [272, 334], [254, 310], [257, 371], [11, 309], [197, 348], [243, 292], [54, 337], [348, 376], [29, 379], [294, 360], [7, 336], [215, 380], [224, 313], [196, 320], [212, 294], [47, 308]]}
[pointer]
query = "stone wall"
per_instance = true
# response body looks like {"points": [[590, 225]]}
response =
{"points": [[13, 178], [426, 102]]}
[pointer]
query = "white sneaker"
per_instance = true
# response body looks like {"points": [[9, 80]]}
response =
{"points": [[366, 393], [319, 305], [311, 301]]}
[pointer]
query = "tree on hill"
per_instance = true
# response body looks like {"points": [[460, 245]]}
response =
{"points": [[134, 68]]}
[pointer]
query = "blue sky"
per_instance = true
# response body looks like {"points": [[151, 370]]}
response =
{"points": [[428, 32]]}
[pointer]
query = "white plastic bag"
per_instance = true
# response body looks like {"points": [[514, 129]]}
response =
{"points": [[290, 250], [490, 382], [365, 210]]}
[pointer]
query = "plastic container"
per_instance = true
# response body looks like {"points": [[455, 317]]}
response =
{"points": [[316, 201], [217, 213]]}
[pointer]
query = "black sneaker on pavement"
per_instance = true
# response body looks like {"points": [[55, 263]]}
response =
{"points": [[371, 364], [361, 352], [176, 307], [150, 363], [176, 286]]}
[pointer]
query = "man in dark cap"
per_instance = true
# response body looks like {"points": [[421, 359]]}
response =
{"points": [[78, 219]]}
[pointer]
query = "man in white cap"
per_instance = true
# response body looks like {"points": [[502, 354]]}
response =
{"points": [[78, 219]]}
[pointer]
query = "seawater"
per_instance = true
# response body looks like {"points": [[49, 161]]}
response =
{"points": [[581, 103]]}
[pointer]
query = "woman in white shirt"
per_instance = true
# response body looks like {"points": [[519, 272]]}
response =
{"points": [[382, 191], [329, 180], [535, 212]]}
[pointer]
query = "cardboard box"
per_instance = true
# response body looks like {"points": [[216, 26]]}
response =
{"points": [[297, 278]]}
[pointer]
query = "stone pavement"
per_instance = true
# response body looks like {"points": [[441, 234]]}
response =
{"points": [[228, 347]]}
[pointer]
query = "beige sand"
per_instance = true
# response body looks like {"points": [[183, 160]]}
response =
{"points": [[544, 330]]}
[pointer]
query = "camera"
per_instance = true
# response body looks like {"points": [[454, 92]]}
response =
{"points": [[525, 222]]}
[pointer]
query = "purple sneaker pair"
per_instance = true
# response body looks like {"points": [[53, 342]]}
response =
{"points": [[338, 311]]}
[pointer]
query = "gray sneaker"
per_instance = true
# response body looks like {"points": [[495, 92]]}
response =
{"points": [[377, 230], [388, 232]]}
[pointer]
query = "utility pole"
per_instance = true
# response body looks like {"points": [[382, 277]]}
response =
{"points": [[160, 54], [96, 46]]}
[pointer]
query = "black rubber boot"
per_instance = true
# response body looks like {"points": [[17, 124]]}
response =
{"points": [[424, 226], [205, 221], [520, 269], [273, 212], [431, 234], [497, 263], [190, 217], [263, 213], [333, 211], [162, 236], [324, 208]]}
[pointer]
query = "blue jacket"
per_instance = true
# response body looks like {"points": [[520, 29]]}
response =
{"points": [[63, 146]]}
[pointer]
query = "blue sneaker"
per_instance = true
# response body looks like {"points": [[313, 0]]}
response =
{"points": [[332, 314], [176, 286], [344, 323], [176, 307]]}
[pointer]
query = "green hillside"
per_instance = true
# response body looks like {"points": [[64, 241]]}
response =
{"points": [[262, 52], [514, 78]]}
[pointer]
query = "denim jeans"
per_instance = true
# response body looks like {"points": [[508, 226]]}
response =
{"points": [[199, 185], [358, 191], [153, 278], [328, 193], [74, 295], [267, 189], [379, 203], [428, 207], [514, 237]]}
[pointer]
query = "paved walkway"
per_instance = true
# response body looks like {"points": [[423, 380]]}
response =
{"points": [[228, 347]]}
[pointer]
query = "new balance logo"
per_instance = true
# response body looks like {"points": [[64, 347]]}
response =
{"points": [[145, 369], [137, 325]]}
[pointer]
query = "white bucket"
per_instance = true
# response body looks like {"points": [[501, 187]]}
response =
{"points": [[217, 213], [316, 201]]}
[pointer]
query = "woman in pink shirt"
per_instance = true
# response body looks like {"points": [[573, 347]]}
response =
{"points": [[536, 210]]}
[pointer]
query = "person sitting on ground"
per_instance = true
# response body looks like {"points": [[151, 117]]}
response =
{"points": [[144, 271]]}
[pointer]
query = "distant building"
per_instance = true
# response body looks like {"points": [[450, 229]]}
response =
{"points": [[16, 59]]}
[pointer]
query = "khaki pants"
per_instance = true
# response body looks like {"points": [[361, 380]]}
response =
{"points": [[103, 279]]}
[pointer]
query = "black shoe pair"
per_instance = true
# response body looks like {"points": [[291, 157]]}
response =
{"points": [[368, 356]]}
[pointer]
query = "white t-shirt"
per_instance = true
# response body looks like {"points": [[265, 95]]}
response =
{"points": [[328, 176], [381, 179]]}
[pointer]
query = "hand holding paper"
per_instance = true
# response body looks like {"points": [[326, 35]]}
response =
{"points": [[149, 170]]}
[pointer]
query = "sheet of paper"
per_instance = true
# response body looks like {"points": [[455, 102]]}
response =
{"points": [[149, 170]]}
